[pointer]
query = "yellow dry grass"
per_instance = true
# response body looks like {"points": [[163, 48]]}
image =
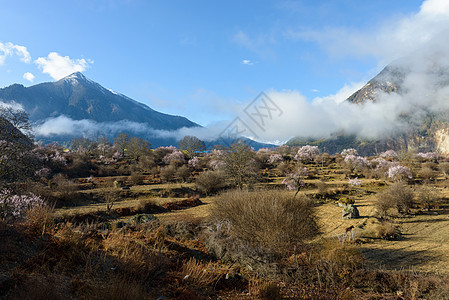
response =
{"points": [[424, 245]]}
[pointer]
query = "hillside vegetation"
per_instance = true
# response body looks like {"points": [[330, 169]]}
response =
{"points": [[124, 221]]}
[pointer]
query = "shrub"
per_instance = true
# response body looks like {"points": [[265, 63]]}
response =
{"points": [[16, 206], [148, 206], [355, 182], [211, 181], [266, 291], [168, 173], [135, 178], [346, 201], [387, 231], [183, 173], [322, 187], [199, 274], [272, 220], [398, 196], [349, 151], [398, 172], [65, 187], [40, 218], [427, 197], [444, 167], [427, 174], [295, 181], [389, 154]]}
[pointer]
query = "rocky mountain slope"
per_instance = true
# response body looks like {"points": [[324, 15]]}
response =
{"points": [[423, 85], [78, 98]]}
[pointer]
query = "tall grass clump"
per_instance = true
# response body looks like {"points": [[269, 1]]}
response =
{"points": [[272, 220]]}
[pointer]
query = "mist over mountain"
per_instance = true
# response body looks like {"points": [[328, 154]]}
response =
{"points": [[406, 106], [76, 106], [80, 98]]}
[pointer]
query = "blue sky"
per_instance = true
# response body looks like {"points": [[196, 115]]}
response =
{"points": [[205, 59]]}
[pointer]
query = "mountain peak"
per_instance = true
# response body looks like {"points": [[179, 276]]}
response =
{"points": [[75, 78], [75, 75]]}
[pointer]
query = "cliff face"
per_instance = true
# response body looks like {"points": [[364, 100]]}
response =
{"points": [[442, 141], [390, 80], [431, 132], [423, 86]]}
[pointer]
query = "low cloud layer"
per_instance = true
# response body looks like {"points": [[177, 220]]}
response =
{"points": [[65, 126], [424, 89]]}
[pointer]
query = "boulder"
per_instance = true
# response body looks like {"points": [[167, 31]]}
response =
{"points": [[350, 212]]}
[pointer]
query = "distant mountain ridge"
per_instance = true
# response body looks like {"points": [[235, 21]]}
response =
{"points": [[431, 133], [79, 98]]}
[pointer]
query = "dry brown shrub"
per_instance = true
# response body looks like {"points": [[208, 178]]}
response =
{"points": [[398, 195], [138, 260], [211, 181], [136, 178], [387, 231], [40, 219], [322, 187], [427, 174], [199, 274], [168, 173], [64, 186], [184, 226], [264, 290], [338, 260], [428, 197], [183, 173], [148, 206], [269, 219], [444, 168]]}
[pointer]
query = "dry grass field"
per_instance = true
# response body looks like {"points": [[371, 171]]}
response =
{"points": [[176, 237]]}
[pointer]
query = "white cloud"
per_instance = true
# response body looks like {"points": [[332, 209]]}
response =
{"points": [[9, 49], [388, 40], [28, 76], [63, 125], [342, 94], [247, 62], [58, 66]]}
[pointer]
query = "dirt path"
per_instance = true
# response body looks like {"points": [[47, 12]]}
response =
{"points": [[424, 245]]}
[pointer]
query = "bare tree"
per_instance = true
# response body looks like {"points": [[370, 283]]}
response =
{"points": [[17, 161], [240, 165], [121, 142], [18, 118], [192, 145], [138, 147]]}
